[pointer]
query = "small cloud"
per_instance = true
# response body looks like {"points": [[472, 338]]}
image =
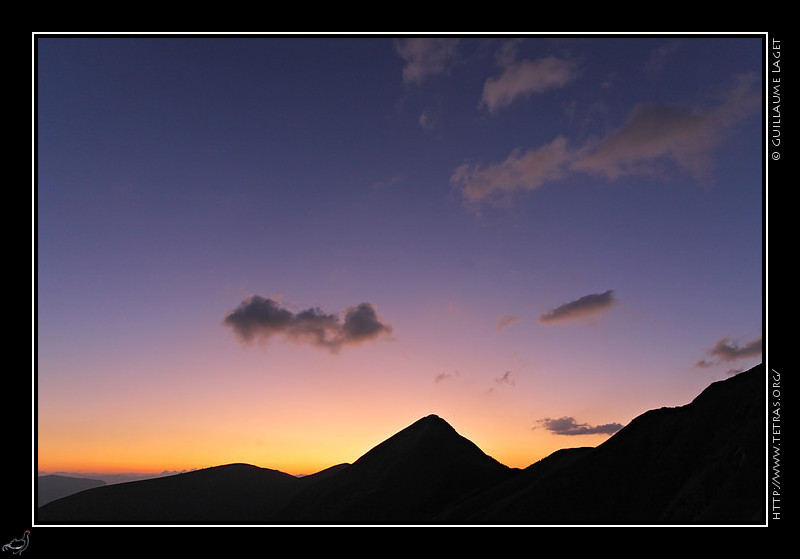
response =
{"points": [[505, 379], [426, 56], [731, 351], [523, 78], [661, 56], [520, 171], [506, 55], [586, 306], [568, 426], [381, 185], [425, 120], [505, 321], [445, 376], [260, 318], [726, 351], [704, 364]]}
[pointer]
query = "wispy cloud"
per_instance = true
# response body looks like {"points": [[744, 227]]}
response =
{"points": [[655, 136], [727, 351], [504, 321], [568, 426], [381, 185], [442, 377], [259, 319], [507, 378], [521, 170], [426, 56], [447, 376], [526, 77], [654, 140], [581, 308], [426, 119], [661, 56]]}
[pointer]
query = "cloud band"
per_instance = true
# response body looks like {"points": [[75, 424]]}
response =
{"points": [[568, 426], [260, 318]]}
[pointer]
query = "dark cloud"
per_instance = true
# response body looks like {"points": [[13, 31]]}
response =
{"points": [[588, 305], [260, 318], [726, 351], [361, 323], [568, 426]]}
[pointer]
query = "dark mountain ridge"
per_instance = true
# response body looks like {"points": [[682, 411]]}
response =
{"points": [[702, 463], [699, 463], [54, 486], [408, 478], [230, 493]]}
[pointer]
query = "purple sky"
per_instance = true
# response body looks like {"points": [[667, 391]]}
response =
{"points": [[521, 235]]}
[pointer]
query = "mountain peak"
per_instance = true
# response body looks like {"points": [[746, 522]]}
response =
{"points": [[430, 439], [431, 419], [409, 477]]}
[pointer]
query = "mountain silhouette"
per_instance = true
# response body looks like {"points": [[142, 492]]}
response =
{"points": [[231, 493], [54, 486], [701, 463], [407, 479]]}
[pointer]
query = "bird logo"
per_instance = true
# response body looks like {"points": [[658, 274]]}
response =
{"points": [[18, 545]]}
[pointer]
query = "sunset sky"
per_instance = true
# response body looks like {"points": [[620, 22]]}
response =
{"points": [[283, 250]]}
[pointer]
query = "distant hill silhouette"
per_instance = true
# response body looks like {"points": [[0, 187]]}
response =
{"points": [[233, 493], [52, 487], [700, 463]]}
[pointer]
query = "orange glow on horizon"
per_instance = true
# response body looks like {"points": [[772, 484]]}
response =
{"points": [[293, 411], [298, 453]]}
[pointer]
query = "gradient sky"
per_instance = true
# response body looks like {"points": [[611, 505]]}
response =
{"points": [[283, 250]]}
